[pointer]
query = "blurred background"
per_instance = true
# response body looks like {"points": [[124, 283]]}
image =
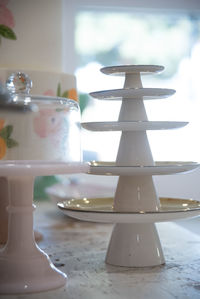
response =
{"points": [[102, 33]]}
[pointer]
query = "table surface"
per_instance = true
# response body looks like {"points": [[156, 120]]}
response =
{"points": [[78, 249]]}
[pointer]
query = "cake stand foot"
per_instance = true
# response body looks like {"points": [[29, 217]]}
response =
{"points": [[135, 245], [24, 268], [28, 274]]}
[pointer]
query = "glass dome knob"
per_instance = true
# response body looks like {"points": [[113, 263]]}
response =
{"points": [[19, 83]]}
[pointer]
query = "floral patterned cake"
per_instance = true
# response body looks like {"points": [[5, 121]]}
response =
{"points": [[45, 134]]}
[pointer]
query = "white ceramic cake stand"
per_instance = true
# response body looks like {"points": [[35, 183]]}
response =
{"points": [[24, 268], [135, 243]]}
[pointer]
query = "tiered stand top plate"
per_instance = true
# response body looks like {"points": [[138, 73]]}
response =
{"points": [[132, 69], [101, 210]]}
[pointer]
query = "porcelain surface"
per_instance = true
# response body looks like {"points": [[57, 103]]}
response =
{"points": [[131, 69], [133, 93], [38, 168], [101, 210], [24, 268], [160, 168], [132, 125], [134, 241], [28, 268]]}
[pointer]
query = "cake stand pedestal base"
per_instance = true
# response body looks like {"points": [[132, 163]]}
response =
{"points": [[24, 268], [28, 274], [135, 245]]}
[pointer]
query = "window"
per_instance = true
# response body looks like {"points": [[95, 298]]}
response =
{"points": [[138, 36]]}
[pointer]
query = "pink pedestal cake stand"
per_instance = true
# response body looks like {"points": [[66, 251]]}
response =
{"points": [[24, 267]]}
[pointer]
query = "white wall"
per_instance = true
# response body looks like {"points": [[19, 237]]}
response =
{"points": [[38, 27]]}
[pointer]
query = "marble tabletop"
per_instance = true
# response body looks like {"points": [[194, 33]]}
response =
{"points": [[78, 249]]}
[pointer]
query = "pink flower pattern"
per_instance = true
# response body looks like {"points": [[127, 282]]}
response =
{"points": [[46, 123], [50, 93], [6, 17]]}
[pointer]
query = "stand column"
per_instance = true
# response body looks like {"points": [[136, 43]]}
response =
{"points": [[24, 268], [135, 245]]}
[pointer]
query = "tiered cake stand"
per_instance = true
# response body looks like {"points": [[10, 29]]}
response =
{"points": [[136, 206]]}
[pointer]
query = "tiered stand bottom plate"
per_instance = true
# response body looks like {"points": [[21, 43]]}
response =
{"points": [[134, 241], [24, 268], [101, 210]]}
